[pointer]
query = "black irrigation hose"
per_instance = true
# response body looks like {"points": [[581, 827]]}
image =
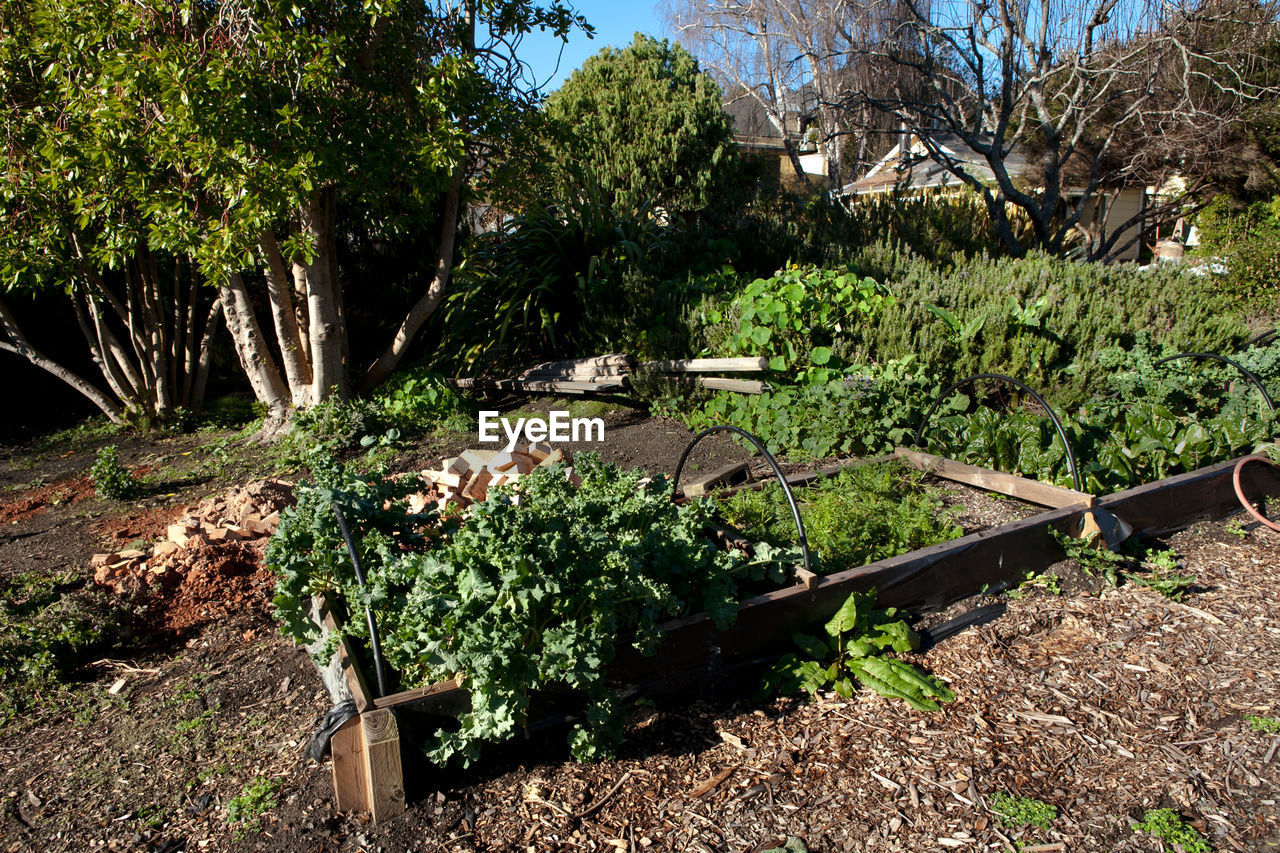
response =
{"points": [[1057, 424], [374, 642], [773, 463], [1213, 356]]}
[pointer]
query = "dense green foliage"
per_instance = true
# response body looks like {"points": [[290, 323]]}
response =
{"points": [[861, 515], [111, 479], [855, 650], [515, 598], [645, 124], [1016, 812], [1246, 240]]}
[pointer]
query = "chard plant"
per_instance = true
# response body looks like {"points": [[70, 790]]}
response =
{"points": [[856, 650]]}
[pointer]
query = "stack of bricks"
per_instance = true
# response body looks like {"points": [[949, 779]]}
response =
{"points": [[467, 478]]}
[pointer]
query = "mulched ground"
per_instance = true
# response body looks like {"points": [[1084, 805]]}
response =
{"points": [[1102, 704]]}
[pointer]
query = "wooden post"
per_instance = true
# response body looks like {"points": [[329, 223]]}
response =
{"points": [[367, 774]]}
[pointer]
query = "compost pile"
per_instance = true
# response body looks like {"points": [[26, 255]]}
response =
{"points": [[210, 563]]}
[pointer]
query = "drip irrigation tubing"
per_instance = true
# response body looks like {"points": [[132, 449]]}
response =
{"points": [[1213, 356], [773, 463], [1057, 423], [1235, 481], [374, 643]]}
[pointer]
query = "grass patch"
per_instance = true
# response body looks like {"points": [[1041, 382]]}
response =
{"points": [[1016, 812], [1269, 725], [1170, 828], [862, 515]]}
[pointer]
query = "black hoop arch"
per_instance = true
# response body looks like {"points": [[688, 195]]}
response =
{"points": [[1213, 356], [1053, 416], [773, 463]]}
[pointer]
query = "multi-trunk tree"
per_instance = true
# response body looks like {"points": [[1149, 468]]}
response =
{"points": [[226, 144]]}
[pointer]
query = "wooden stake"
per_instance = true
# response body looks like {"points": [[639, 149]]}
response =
{"points": [[350, 788]]}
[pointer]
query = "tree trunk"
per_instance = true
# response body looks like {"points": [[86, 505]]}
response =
{"points": [[206, 355], [327, 375], [296, 369], [419, 313], [98, 352], [255, 358], [22, 347]]}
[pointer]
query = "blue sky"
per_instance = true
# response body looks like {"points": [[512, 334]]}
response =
{"points": [[615, 21]]}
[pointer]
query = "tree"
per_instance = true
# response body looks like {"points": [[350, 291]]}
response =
{"points": [[1070, 82], [796, 60], [239, 134], [647, 125]]}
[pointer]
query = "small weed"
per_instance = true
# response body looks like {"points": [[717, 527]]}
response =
{"points": [[1270, 725], [1169, 827], [1149, 567], [1034, 581], [1015, 811], [111, 479], [1236, 528], [184, 727], [209, 772], [257, 798]]}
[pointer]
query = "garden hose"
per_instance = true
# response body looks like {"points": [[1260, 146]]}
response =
{"points": [[1235, 481], [1057, 423], [773, 463], [374, 642]]}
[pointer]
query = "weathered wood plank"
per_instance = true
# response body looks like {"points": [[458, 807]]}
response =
{"points": [[1032, 491], [350, 788], [727, 476], [352, 674], [708, 365], [719, 383], [557, 386]]}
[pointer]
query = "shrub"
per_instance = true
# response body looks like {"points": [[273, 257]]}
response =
{"points": [[1247, 242], [111, 479]]}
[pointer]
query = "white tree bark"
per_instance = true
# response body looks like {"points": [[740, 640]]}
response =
{"points": [[327, 374], [297, 370], [20, 346], [250, 346]]}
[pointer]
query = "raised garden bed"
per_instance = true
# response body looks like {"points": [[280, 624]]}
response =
{"points": [[367, 772]]}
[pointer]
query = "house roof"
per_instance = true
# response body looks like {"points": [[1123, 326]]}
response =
{"points": [[924, 172]]}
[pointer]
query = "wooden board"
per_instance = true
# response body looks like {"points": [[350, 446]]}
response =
{"points": [[350, 786], [727, 476], [556, 386], [352, 674], [717, 383], [708, 365], [1031, 491]]}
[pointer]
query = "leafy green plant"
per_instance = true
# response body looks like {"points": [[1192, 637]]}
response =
{"points": [[1169, 827], [861, 515], [111, 479], [1034, 581], [533, 591], [1154, 568], [857, 638], [1270, 725], [256, 799], [1016, 812]]}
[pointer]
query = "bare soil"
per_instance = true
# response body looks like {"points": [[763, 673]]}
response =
{"points": [[1102, 702]]}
